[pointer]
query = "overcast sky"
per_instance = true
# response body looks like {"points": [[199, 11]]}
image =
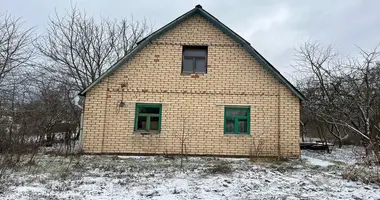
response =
{"points": [[273, 27]]}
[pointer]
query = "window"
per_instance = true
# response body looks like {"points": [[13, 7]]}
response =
{"points": [[236, 120], [148, 118], [194, 59]]}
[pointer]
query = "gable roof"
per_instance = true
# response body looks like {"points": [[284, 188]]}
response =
{"points": [[198, 10]]}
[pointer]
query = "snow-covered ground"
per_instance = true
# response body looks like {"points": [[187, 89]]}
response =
{"points": [[315, 176]]}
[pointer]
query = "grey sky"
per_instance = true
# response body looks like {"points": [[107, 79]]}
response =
{"points": [[273, 27]]}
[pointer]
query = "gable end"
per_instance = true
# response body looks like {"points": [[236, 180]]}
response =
{"points": [[198, 10]]}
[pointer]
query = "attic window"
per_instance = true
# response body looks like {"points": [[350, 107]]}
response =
{"points": [[194, 59]]}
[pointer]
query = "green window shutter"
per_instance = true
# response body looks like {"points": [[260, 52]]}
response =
{"points": [[148, 118], [237, 120]]}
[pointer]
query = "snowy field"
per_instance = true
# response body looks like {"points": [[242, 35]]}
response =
{"points": [[315, 176]]}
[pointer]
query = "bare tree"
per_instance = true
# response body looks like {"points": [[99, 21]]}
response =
{"points": [[344, 94], [80, 48], [77, 49], [15, 46], [313, 58], [16, 55]]}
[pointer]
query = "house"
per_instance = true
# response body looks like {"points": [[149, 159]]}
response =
{"points": [[193, 86]]}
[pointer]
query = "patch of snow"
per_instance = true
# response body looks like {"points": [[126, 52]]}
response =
{"points": [[34, 189], [316, 161], [132, 157], [347, 154]]}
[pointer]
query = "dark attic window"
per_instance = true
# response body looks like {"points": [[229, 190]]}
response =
{"points": [[194, 59]]}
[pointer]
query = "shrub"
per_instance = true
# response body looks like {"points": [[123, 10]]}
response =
{"points": [[362, 173], [221, 168], [255, 150]]}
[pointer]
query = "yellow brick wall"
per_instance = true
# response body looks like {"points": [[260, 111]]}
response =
{"points": [[191, 105]]}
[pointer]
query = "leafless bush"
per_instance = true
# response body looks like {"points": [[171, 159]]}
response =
{"points": [[32, 119], [362, 173], [182, 137], [256, 149]]}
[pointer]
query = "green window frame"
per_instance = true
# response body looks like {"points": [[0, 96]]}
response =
{"points": [[148, 118], [237, 120]]}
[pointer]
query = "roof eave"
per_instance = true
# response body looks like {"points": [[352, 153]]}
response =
{"points": [[112, 68], [140, 45], [247, 46]]}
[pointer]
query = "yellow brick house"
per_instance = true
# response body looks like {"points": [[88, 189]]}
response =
{"points": [[193, 86]]}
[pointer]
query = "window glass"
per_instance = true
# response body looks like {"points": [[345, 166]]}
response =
{"points": [[237, 112], [154, 123], [194, 52], [242, 125], [151, 110], [187, 65], [200, 65], [230, 125], [141, 123]]}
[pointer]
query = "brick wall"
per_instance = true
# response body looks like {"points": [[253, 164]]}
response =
{"points": [[194, 106]]}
